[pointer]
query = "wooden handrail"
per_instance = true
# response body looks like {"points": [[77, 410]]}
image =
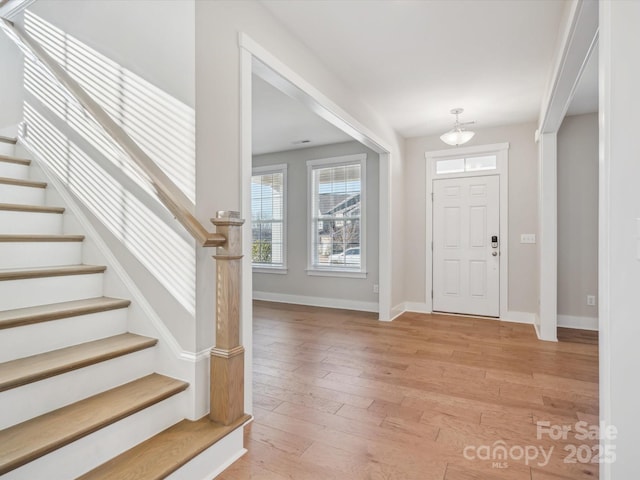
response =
{"points": [[168, 193]]}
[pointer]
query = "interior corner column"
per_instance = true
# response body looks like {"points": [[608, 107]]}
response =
{"points": [[548, 236]]}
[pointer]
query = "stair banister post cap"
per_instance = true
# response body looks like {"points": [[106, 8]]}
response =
{"points": [[227, 217]]}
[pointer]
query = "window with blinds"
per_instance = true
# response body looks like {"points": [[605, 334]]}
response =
{"points": [[336, 213], [268, 216]]}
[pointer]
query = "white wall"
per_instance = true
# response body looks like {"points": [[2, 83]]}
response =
{"points": [[137, 59], [523, 277], [218, 25], [10, 87], [341, 291], [577, 220], [619, 241]]}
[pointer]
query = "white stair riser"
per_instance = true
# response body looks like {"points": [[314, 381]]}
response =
{"points": [[14, 170], [43, 337], [12, 222], [7, 149], [22, 403], [39, 254], [40, 291], [21, 194], [87, 453]]}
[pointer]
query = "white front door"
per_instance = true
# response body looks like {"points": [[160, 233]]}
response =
{"points": [[466, 259]]}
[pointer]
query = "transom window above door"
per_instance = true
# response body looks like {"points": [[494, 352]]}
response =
{"points": [[466, 164]]}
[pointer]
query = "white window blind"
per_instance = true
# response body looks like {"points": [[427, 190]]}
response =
{"points": [[337, 213], [268, 222]]}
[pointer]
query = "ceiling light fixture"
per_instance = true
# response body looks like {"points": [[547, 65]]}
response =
{"points": [[457, 135]]}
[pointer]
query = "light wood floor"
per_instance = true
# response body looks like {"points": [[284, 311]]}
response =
{"points": [[339, 395]]}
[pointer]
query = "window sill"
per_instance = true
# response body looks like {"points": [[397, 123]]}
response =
{"points": [[334, 272], [276, 270]]}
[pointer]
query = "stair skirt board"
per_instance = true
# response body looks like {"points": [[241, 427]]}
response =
{"points": [[27, 401], [214, 460], [27, 340], [40, 254], [92, 450], [14, 222], [39, 291]]}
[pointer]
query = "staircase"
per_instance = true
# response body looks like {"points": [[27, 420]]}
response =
{"points": [[78, 393]]}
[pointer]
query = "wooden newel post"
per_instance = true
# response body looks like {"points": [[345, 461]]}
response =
{"points": [[227, 357]]}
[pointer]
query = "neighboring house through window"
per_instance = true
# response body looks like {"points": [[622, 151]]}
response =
{"points": [[337, 216], [268, 218]]}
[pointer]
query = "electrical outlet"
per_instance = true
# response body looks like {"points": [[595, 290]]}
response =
{"points": [[376, 289], [591, 300]]}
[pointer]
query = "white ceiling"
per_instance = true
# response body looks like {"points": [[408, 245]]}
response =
{"points": [[413, 61], [281, 122]]}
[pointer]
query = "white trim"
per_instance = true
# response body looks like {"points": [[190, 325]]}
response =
{"points": [[417, 307], [343, 160], [267, 268], [519, 317], [548, 235], [396, 312], [335, 272], [256, 59], [581, 323], [384, 241], [578, 40], [246, 168], [501, 150], [341, 303], [14, 8]]}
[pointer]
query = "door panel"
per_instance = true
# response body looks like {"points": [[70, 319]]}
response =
{"points": [[466, 274]]}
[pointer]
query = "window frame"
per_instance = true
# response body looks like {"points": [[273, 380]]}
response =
{"points": [[265, 267], [332, 270]]}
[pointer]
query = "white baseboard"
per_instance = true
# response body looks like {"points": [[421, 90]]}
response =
{"points": [[316, 301], [582, 323], [417, 307], [519, 317]]}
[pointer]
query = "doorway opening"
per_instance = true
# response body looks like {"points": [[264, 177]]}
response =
{"points": [[467, 230]]}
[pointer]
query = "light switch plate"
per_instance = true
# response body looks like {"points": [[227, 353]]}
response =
{"points": [[528, 238]]}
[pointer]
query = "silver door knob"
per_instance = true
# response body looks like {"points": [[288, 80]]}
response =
{"points": [[495, 254]]}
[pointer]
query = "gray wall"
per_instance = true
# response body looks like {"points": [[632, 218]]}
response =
{"points": [[578, 215], [296, 281], [523, 211]]}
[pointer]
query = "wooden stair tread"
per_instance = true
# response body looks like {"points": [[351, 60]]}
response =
{"points": [[44, 313], [40, 238], [11, 140], [34, 438], [24, 273], [164, 453], [18, 207], [44, 365], [12, 159], [22, 183]]}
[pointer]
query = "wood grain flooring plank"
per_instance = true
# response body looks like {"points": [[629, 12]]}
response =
{"points": [[340, 395]]}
